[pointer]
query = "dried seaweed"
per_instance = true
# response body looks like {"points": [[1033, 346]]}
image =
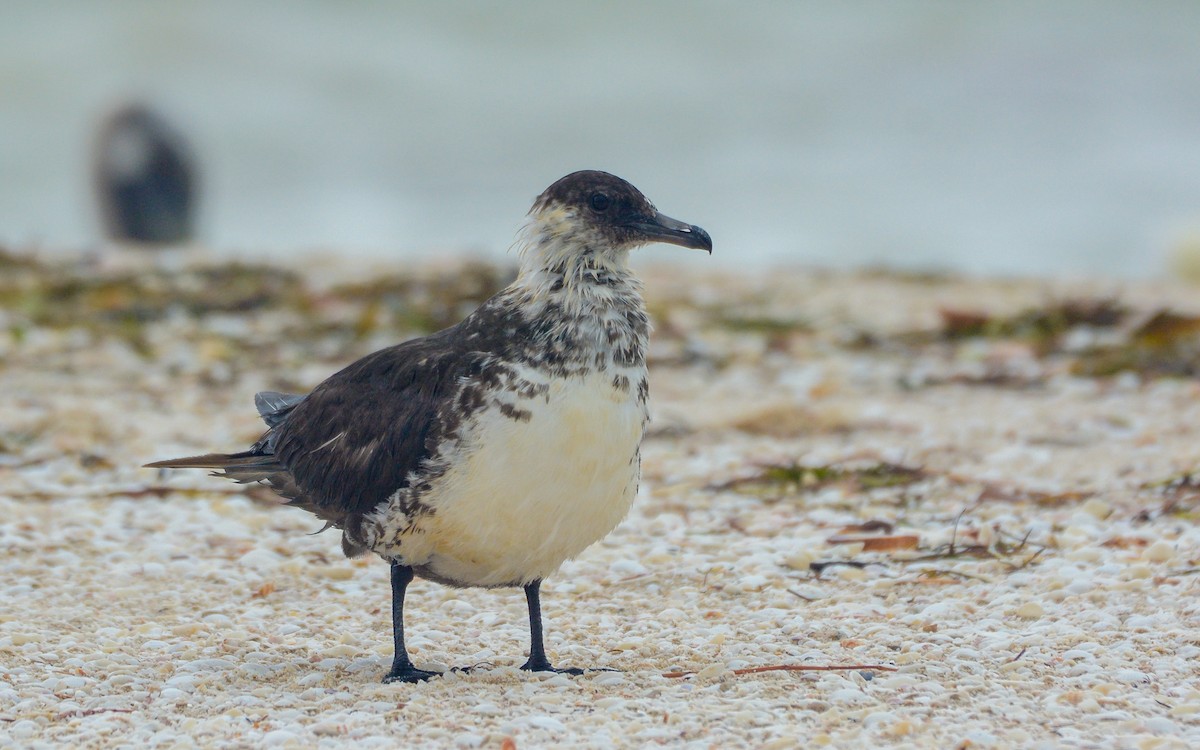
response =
{"points": [[1180, 499], [1163, 344], [771, 326], [413, 304], [1041, 326], [1003, 547], [1166, 344], [10, 261], [779, 481], [121, 304]]}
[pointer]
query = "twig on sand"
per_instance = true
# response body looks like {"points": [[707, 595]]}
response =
{"points": [[798, 595], [92, 712], [795, 668], [156, 491], [151, 491]]}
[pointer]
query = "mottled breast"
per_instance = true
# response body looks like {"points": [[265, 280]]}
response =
{"points": [[534, 480]]}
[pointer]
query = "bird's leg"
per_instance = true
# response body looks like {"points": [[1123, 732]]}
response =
{"points": [[537, 651], [402, 668]]}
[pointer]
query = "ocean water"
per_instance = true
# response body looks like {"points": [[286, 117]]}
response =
{"points": [[1017, 137]]}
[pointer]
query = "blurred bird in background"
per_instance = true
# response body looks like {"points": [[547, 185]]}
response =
{"points": [[144, 178]]}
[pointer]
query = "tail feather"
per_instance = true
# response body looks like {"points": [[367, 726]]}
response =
{"points": [[244, 468], [212, 461], [259, 465], [274, 407]]}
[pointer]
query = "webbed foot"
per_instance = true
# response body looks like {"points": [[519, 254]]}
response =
{"points": [[408, 673], [543, 665]]}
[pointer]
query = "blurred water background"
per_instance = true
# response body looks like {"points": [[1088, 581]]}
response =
{"points": [[1016, 137]]}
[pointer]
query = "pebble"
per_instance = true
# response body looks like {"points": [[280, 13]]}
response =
{"points": [[799, 560], [1141, 623], [878, 719], [256, 670], [1159, 552], [1085, 554], [281, 738], [184, 682], [23, 729], [980, 738], [261, 559], [627, 568], [1030, 611], [851, 574], [1097, 508], [328, 729], [752, 583], [608, 679], [1161, 725], [1139, 571], [206, 665], [849, 696], [548, 723], [335, 572], [1081, 585]]}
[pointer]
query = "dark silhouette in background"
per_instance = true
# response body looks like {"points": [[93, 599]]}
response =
{"points": [[144, 178]]}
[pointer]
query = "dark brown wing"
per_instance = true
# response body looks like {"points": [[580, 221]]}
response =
{"points": [[355, 440], [366, 432]]}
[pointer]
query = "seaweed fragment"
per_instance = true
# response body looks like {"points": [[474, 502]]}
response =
{"points": [[1180, 498], [123, 303], [775, 482], [1165, 344], [421, 305], [1042, 326], [1003, 548]]}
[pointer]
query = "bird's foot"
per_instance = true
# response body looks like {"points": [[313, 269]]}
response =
{"points": [[407, 673], [543, 665]]}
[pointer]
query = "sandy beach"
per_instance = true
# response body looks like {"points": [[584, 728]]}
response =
{"points": [[885, 509]]}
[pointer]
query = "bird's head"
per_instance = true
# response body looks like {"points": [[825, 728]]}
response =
{"points": [[598, 218]]}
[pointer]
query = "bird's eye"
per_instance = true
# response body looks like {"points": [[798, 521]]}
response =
{"points": [[599, 201]]}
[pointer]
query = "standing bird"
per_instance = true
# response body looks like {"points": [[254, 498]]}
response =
{"points": [[490, 452], [143, 178]]}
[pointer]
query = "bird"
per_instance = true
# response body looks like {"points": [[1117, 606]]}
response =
{"points": [[488, 453], [144, 178]]}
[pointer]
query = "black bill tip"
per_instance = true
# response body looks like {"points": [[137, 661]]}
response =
{"points": [[661, 228]]}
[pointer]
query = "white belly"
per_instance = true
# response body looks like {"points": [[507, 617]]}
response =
{"points": [[528, 494]]}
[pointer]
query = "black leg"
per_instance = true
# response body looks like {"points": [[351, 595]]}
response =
{"points": [[537, 650], [402, 668]]}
